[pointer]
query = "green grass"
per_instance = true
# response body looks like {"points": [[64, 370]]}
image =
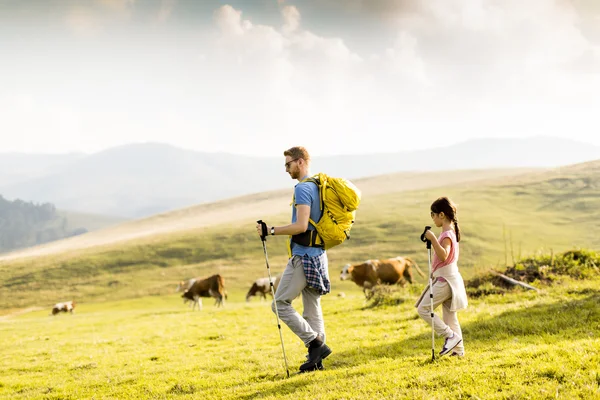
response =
{"points": [[519, 346]]}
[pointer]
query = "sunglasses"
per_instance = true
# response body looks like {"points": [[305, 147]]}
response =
{"points": [[287, 164]]}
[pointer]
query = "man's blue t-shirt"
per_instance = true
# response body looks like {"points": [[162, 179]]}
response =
{"points": [[307, 193]]}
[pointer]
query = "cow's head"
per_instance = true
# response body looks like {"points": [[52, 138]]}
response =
{"points": [[346, 271]]}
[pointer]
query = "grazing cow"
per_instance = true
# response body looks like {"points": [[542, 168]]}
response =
{"points": [[67, 306], [207, 287], [391, 271], [261, 287]]}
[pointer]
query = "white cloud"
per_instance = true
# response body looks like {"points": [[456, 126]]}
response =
{"points": [[229, 20], [445, 71], [292, 80], [291, 19]]}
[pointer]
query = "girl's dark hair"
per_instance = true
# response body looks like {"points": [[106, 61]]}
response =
{"points": [[445, 205]]}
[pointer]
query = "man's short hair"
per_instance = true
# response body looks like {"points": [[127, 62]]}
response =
{"points": [[297, 152]]}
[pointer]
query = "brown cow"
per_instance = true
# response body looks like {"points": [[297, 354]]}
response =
{"points": [[391, 271], [67, 306], [207, 287], [261, 287]]}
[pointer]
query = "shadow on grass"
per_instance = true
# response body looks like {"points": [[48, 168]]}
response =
{"points": [[570, 320]]}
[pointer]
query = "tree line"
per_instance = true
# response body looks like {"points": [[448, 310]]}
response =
{"points": [[25, 224]]}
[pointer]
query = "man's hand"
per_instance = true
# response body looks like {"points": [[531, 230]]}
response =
{"points": [[260, 231]]}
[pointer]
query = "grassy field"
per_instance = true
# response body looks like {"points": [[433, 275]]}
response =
{"points": [[521, 345], [132, 337]]}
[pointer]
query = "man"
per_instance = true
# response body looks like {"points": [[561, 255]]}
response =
{"points": [[306, 272]]}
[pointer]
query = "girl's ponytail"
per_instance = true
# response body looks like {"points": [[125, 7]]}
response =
{"points": [[457, 230]]}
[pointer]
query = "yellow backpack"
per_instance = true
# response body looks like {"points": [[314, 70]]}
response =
{"points": [[339, 201]]}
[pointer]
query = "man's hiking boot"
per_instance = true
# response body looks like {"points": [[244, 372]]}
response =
{"points": [[317, 351], [318, 366], [450, 343]]}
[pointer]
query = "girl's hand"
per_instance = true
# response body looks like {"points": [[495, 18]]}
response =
{"points": [[430, 235]]}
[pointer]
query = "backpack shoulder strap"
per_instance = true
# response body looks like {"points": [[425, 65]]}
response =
{"points": [[311, 179], [315, 180]]}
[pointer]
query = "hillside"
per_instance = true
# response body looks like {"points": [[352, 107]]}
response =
{"points": [[244, 207], [501, 220]]}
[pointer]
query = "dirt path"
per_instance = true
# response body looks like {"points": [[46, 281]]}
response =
{"points": [[19, 312]]}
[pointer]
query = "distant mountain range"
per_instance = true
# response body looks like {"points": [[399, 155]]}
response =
{"points": [[138, 180]]}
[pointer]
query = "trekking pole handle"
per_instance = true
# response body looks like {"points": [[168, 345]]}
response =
{"points": [[263, 227], [423, 239]]}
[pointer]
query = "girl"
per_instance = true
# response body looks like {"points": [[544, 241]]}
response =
{"points": [[448, 286]]}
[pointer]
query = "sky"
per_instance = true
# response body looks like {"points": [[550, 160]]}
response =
{"points": [[258, 76]]}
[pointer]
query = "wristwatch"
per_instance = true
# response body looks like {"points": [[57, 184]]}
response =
{"points": [[272, 230]]}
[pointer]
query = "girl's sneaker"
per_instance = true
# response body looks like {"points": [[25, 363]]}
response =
{"points": [[450, 343]]}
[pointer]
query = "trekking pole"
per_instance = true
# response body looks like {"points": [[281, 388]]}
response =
{"points": [[263, 237], [423, 239]]}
